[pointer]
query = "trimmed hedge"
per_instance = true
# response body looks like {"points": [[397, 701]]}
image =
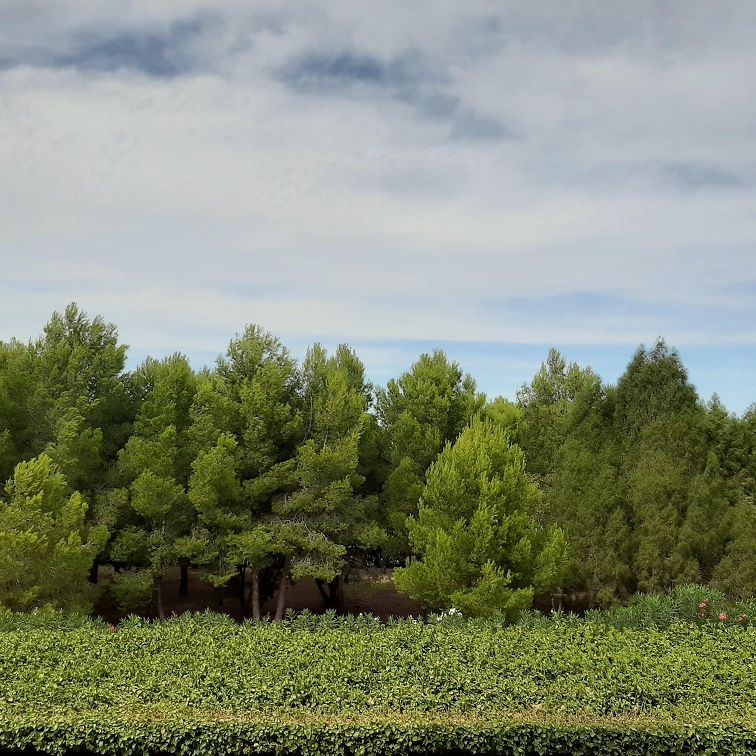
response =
{"points": [[321, 685], [387, 734]]}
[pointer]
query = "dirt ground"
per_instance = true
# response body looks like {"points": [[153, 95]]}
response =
{"points": [[370, 592]]}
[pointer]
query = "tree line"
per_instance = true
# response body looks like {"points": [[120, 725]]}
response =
{"points": [[260, 471]]}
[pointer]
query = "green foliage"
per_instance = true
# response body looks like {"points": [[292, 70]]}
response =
{"points": [[77, 409], [691, 604], [151, 508], [17, 380], [508, 415], [420, 411], [546, 408], [45, 618], [654, 386], [46, 550], [327, 685], [216, 493], [323, 516], [132, 589], [651, 487], [480, 548], [246, 424], [583, 498], [263, 470], [736, 572]]}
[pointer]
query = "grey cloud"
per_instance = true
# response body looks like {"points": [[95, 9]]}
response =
{"points": [[647, 27], [474, 126], [323, 72], [160, 53], [478, 36], [690, 175], [406, 78], [678, 175]]}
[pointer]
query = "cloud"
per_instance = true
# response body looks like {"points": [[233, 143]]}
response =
{"points": [[692, 175], [164, 51], [406, 78], [160, 54], [568, 172], [327, 72], [470, 125]]}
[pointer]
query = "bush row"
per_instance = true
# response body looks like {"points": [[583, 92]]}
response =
{"points": [[202, 683], [111, 734]]}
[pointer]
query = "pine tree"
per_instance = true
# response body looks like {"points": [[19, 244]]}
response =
{"points": [[246, 425], [323, 518], [46, 549], [151, 509], [478, 543], [420, 411]]}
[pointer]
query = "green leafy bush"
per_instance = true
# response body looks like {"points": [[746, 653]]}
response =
{"points": [[132, 589], [46, 618], [694, 604], [326, 684]]}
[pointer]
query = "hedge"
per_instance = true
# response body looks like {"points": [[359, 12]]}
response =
{"points": [[203, 684]]}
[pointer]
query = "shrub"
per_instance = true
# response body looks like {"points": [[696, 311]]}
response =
{"points": [[132, 589], [692, 604], [327, 684]]}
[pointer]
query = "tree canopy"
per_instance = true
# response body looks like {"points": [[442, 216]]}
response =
{"points": [[261, 470], [480, 546]]}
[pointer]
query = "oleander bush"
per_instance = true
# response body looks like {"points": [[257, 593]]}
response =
{"points": [[325, 684], [691, 604], [687, 603]]}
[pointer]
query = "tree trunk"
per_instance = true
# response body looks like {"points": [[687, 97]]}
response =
{"points": [[556, 602], [334, 589], [184, 582], [159, 596], [320, 583], [281, 602], [242, 589], [255, 595], [332, 596], [93, 572]]}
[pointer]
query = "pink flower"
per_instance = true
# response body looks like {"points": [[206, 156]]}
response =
{"points": [[723, 617]]}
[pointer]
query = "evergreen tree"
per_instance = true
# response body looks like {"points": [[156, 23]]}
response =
{"points": [[420, 411], [247, 423], [547, 406], [323, 518], [659, 424], [566, 434], [151, 507], [584, 499], [46, 549], [18, 375], [479, 545], [78, 410], [734, 442], [736, 572], [653, 387]]}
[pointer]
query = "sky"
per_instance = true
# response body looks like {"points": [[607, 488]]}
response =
{"points": [[491, 178]]}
